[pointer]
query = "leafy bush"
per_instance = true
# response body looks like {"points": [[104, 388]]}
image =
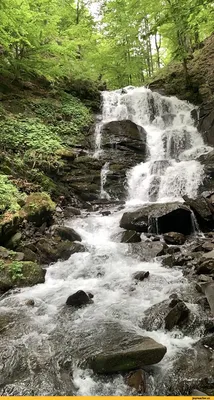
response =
{"points": [[9, 195]]}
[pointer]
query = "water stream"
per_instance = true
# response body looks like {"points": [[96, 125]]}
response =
{"points": [[41, 348]]}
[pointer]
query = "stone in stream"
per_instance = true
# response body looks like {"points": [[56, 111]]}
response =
{"points": [[79, 299], [177, 315], [146, 352], [130, 237], [67, 233], [174, 238], [146, 251], [159, 218], [141, 275], [206, 264], [137, 381], [105, 213]]}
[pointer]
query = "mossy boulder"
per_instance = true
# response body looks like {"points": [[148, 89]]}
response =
{"points": [[19, 274], [50, 250], [39, 208]]}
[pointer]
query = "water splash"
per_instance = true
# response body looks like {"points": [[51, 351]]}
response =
{"points": [[103, 178]]}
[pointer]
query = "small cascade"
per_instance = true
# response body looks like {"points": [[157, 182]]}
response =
{"points": [[103, 177]]}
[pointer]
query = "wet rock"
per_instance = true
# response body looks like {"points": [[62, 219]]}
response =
{"points": [[159, 218], [174, 238], [203, 211], [146, 251], [146, 352], [130, 237], [141, 275], [78, 299], [20, 274], [209, 293], [49, 250], [67, 233], [29, 255], [124, 135], [206, 264], [30, 303], [208, 341], [137, 381], [177, 315], [105, 213]]}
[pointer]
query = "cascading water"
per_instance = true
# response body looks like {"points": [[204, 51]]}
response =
{"points": [[41, 346], [103, 177], [173, 143]]}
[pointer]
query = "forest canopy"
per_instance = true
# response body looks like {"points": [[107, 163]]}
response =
{"points": [[121, 42]]}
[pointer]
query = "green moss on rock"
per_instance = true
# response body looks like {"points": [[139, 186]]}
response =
{"points": [[19, 274]]}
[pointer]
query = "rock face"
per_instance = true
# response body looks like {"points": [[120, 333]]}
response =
{"points": [[174, 238], [159, 218], [203, 210], [146, 352]]}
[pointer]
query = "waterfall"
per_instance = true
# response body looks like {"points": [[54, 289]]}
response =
{"points": [[103, 177], [173, 143], [44, 347]]}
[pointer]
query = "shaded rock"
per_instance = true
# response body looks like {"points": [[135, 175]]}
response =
{"points": [[137, 381], [14, 241], [159, 218], [67, 233], [124, 134], [203, 210], [177, 315], [208, 341], [71, 211], [146, 352], [130, 237], [146, 251], [206, 267], [20, 274], [78, 299], [174, 238], [141, 275], [106, 213], [29, 255], [49, 250]]}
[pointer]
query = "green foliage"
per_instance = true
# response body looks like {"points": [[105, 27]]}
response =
{"points": [[16, 270], [9, 195], [28, 135]]}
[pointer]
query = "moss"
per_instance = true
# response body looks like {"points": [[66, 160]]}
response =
{"points": [[38, 208], [20, 274]]}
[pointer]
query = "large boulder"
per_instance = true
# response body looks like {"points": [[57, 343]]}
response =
{"points": [[145, 352], [124, 135], [38, 208], [203, 210], [20, 274], [49, 250], [159, 218]]}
